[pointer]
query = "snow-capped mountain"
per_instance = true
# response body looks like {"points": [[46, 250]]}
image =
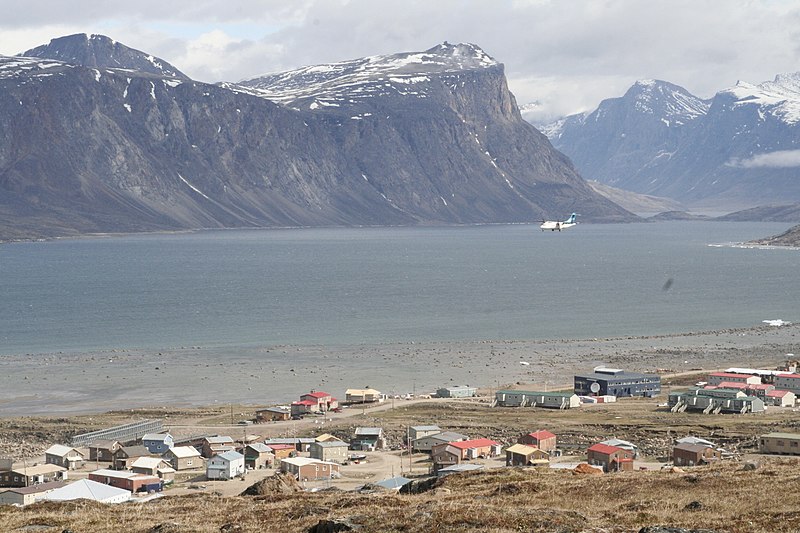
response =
{"points": [[736, 150], [100, 51], [86, 147]]}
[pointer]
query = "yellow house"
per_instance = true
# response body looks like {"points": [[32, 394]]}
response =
{"points": [[362, 395]]}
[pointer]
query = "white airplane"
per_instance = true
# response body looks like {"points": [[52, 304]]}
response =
{"points": [[553, 225]]}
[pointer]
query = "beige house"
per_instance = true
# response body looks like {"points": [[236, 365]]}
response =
{"points": [[69, 458], [782, 443], [154, 466], [333, 451], [362, 395], [28, 495], [258, 455], [306, 469], [31, 475], [781, 398], [184, 458], [128, 454], [417, 432], [103, 450], [524, 455]]}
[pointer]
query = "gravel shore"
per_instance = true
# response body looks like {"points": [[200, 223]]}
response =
{"points": [[69, 383]]}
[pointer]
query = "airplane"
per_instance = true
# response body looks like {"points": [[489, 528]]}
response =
{"points": [[553, 225]]}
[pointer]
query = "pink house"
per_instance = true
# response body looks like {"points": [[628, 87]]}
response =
{"points": [[324, 401], [715, 378]]}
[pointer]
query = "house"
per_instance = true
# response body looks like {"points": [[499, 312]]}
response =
{"points": [[218, 444], [625, 445], [617, 382], [326, 437], [123, 457], [611, 458], [32, 475], [542, 439], [417, 432], [282, 451], [303, 407], [87, 489], [184, 458], [103, 450], [27, 495], [332, 452], [125, 479], [370, 439], [782, 443], [453, 453], [790, 382], [781, 398], [715, 378], [393, 483], [458, 391], [458, 469], [69, 458], [258, 455], [363, 396], [426, 444], [226, 465], [158, 443], [552, 400], [301, 444], [324, 401], [307, 469], [154, 466], [715, 401], [694, 454], [524, 455], [273, 414]]}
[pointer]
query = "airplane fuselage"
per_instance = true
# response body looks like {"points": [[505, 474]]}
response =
{"points": [[556, 226]]}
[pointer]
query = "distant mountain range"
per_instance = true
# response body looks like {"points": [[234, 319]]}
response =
{"points": [[737, 150], [98, 137]]}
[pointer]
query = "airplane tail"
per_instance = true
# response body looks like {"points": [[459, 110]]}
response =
{"points": [[571, 219]]}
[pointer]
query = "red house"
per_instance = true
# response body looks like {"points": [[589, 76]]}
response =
{"points": [[611, 458], [324, 401], [542, 439]]}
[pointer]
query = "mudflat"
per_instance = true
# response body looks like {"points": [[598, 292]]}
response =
{"points": [[94, 382]]}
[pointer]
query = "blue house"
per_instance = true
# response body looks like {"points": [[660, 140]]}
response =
{"points": [[616, 382], [158, 443]]}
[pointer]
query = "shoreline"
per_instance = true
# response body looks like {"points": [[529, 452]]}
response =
{"points": [[59, 384]]}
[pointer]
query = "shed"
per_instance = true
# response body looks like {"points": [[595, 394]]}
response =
{"points": [[457, 391]]}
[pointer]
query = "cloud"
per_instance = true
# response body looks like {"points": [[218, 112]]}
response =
{"points": [[777, 159], [566, 55]]}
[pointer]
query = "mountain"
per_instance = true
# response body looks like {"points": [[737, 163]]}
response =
{"points": [[790, 237], [734, 151], [640, 204], [417, 138], [766, 213]]}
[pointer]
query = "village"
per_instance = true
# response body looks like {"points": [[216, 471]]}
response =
{"points": [[357, 444]]}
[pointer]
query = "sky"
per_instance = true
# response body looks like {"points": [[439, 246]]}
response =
{"points": [[567, 55]]}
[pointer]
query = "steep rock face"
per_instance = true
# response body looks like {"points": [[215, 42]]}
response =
{"points": [[98, 149], [738, 150]]}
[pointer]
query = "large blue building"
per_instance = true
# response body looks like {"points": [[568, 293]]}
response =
{"points": [[616, 382]]}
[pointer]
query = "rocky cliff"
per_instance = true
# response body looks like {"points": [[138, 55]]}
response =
{"points": [[108, 139]]}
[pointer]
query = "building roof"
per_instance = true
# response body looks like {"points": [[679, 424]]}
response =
{"points": [[119, 474], [521, 449], [290, 440], [695, 440], [39, 487], [619, 443], [445, 436], [605, 449], [147, 462], [326, 437], [474, 443], [86, 489], [303, 461], [541, 434], [459, 387], [184, 452], [157, 437], [393, 483], [318, 395], [332, 444], [60, 450], [219, 439], [780, 435], [278, 446], [280, 410], [369, 432], [305, 402], [693, 448], [231, 456], [761, 386], [789, 376], [732, 385], [39, 470], [135, 451], [260, 447], [361, 392], [731, 375], [606, 374], [554, 394], [426, 428], [778, 393]]}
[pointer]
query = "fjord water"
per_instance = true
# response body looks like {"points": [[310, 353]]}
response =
{"points": [[243, 288]]}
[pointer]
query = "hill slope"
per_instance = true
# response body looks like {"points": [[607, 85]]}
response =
{"points": [[93, 148]]}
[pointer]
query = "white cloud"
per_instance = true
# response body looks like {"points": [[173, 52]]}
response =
{"points": [[777, 159]]}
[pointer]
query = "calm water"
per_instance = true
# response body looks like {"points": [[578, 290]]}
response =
{"points": [[339, 286]]}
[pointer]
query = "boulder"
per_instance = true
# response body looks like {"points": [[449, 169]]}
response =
{"points": [[280, 483]]}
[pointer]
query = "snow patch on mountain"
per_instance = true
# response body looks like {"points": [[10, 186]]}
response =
{"points": [[779, 97]]}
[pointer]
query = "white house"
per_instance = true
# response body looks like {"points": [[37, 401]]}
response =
{"points": [[226, 465], [89, 490]]}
